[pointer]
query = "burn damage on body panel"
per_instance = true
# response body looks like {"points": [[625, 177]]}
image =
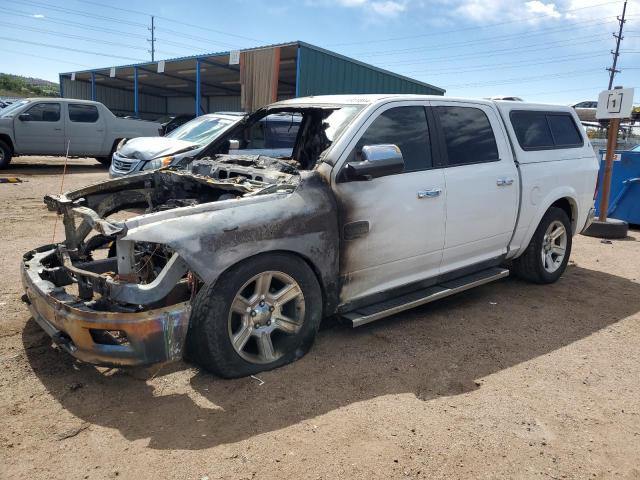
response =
{"points": [[137, 249]]}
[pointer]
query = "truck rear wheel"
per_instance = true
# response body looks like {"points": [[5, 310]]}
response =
{"points": [[5, 155], [261, 314], [547, 255], [105, 161]]}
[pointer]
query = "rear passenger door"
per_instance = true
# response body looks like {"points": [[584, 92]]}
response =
{"points": [[481, 181], [392, 227], [85, 130]]}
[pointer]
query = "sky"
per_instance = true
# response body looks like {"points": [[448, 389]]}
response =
{"points": [[552, 51]]}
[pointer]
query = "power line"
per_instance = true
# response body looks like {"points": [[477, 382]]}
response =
{"points": [[525, 63], [198, 38], [75, 37], [70, 11], [57, 60], [478, 27], [495, 52], [18, 13], [508, 81], [59, 47], [208, 29], [499, 38]]}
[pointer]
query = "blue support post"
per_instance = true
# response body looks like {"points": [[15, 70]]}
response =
{"points": [[135, 90], [93, 86], [60, 77], [298, 62], [198, 99]]}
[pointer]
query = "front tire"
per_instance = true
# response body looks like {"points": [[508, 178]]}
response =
{"points": [[547, 255], [5, 155], [261, 314]]}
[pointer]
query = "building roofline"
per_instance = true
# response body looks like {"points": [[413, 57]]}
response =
{"points": [[369, 66], [286, 44]]}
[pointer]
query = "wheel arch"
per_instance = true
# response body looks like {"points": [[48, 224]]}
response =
{"points": [[564, 198], [7, 139], [327, 289]]}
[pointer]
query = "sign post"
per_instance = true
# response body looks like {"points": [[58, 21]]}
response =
{"points": [[613, 105], [612, 140]]}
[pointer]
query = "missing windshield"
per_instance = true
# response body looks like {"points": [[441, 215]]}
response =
{"points": [[297, 135]]}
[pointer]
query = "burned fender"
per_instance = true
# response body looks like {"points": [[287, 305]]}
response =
{"points": [[303, 221]]}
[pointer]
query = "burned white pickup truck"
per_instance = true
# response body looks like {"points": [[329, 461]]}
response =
{"points": [[235, 259]]}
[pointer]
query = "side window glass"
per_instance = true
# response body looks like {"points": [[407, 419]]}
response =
{"points": [[83, 113], [468, 135], [405, 127], [44, 112], [564, 131], [272, 132], [532, 129], [545, 130]]}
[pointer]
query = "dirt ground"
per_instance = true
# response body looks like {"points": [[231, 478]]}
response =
{"points": [[509, 380]]}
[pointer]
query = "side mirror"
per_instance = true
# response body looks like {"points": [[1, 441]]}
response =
{"points": [[377, 161], [234, 144], [24, 117]]}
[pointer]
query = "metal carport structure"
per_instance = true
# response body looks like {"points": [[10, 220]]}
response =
{"points": [[232, 81]]}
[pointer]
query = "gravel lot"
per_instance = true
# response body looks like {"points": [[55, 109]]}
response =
{"points": [[508, 380]]}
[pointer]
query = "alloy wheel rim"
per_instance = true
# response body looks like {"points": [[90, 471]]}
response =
{"points": [[266, 312], [554, 246]]}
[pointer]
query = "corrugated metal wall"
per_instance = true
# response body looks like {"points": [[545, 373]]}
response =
{"points": [[176, 105], [117, 100], [324, 74], [225, 104]]}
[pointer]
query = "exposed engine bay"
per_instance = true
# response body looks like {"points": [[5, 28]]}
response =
{"points": [[96, 260]]}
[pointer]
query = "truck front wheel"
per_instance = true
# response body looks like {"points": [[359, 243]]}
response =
{"points": [[5, 155], [261, 314], [547, 255]]}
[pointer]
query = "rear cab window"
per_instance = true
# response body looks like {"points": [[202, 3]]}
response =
{"points": [[468, 136], [81, 113], [545, 130]]}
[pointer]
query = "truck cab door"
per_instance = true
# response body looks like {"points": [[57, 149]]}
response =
{"points": [[85, 130], [39, 129], [482, 184], [392, 227]]}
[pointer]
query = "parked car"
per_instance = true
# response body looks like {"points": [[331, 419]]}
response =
{"points": [[586, 110], [169, 123], [50, 126], [388, 202], [274, 135], [507, 98]]}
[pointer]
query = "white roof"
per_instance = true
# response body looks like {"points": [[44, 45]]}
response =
{"points": [[374, 98]]}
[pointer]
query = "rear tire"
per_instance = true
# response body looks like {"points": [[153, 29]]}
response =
{"points": [[547, 255], [5, 155], [261, 314], [104, 161]]}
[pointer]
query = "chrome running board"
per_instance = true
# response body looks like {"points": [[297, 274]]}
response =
{"points": [[371, 313]]}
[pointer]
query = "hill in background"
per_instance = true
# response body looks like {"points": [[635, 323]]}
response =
{"points": [[17, 86]]}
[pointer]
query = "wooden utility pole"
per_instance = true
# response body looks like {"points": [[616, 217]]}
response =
{"points": [[612, 137], [153, 39], [614, 126], [616, 54]]}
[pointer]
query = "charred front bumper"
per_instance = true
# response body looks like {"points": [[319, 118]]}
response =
{"points": [[92, 333]]}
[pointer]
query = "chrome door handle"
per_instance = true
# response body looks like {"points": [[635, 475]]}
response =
{"points": [[431, 193], [504, 182]]}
